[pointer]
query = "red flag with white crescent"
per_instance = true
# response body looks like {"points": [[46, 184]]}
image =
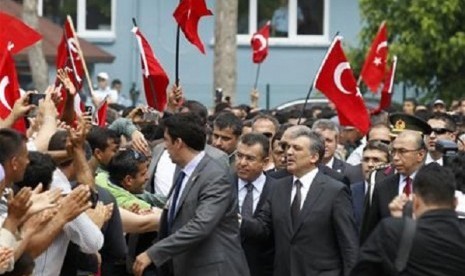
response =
{"points": [[154, 77], [374, 68], [335, 79], [13, 32], [9, 89], [259, 43], [69, 60]]}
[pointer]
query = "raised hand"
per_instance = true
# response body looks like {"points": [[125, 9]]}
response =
{"points": [[42, 201], [19, 204], [100, 214], [66, 81], [75, 203], [6, 255]]}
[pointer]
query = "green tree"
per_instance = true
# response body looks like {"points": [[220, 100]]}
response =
{"points": [[428, 36]]}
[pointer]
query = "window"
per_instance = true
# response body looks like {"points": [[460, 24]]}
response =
{"points": [[91, 18], [293, 22]]}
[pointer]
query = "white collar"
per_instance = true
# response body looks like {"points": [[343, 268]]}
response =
{"points": [[190, 167]]}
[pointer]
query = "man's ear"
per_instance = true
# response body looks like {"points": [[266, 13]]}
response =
{"points": [[127, 182], [98, 154]]}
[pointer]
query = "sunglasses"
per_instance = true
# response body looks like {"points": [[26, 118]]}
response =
{"points": [[386, 142], [439, 130]]}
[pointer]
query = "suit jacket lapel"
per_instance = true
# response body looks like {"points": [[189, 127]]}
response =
{"points": [[191, 181], [316, 188]]}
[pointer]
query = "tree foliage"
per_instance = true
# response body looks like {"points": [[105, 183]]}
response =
{"points": [[428, 36]]}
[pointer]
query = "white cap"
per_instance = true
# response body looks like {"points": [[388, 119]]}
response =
{"points": [[439, 101], [103, 75]]}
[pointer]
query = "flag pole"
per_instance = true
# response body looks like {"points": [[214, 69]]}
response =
{"points": [[176, 67], [305, 103], [152, 88], [81, 56], [256, 76], [176, 64], [308, 94]]}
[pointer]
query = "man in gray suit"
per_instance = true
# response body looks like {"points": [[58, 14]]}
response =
{"points": [[309, 214], [199, 231]]}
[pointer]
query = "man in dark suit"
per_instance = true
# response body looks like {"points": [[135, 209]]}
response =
{"points": [[309, 213], [330, 132], [199, 229], [438, 246], [374, 154], [253, 187], [408, 154]]}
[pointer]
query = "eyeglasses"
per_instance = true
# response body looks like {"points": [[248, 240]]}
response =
{"points": [[401, 151], [440, 130]]}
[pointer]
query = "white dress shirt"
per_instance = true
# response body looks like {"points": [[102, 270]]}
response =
{"points": [[403, 182], [330, 163], [164, 174], [82, 231], [258, 185], [188, 170], [429, 159], [306, 181]]}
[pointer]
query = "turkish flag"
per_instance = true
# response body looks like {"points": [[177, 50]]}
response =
{"points": [[14, 33], [9, 89], [374, 68], [259, 43], [154, 77], [100, 116], [69, 60], [188, 14], [388, 88], [336, 80]]}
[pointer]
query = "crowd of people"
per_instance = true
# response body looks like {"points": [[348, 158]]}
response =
{"points": [[236, 191]]}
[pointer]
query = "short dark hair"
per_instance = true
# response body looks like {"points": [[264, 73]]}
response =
{"points": [[198, 109], [263, 116], [255, 138], [446, 118], [435, 185], [377, 145], [125, 163], [186, 126], [228, 120], [98, 138], [412, 100], [115, 82], [11, 142], [39, 170]]}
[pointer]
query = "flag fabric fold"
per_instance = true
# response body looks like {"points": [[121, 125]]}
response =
{"points": [[388, 88], [259, 43], [69, 60], [155, 79], [15, 34], [374, 68], [187, 15], [335, 79], [9, 89], [100, 115]]}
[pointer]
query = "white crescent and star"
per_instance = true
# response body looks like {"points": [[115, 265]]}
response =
{"points": [[341, 67], [3, 84], [263, 42]]}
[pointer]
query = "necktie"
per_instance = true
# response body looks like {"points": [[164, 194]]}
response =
{"points": [[295, 206], [247, 205], [408, 186], [174, 199]]}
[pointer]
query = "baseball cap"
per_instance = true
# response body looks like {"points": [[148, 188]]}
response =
{"points": [[103, 75]]}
